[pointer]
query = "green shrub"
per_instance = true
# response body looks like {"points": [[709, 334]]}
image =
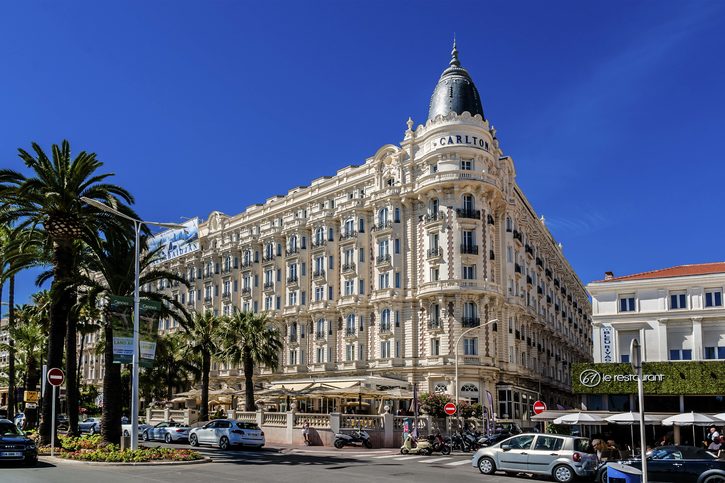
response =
{"points": [[433, 404]]}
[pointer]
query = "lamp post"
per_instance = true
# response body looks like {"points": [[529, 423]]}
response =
{"points": [[137, 224], [456, 348], [635, 354]]}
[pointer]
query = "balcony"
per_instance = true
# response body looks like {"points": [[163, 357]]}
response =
{"points": [[246, 292], [529, 250], [268, 286], [468, 213], [518, 236], [346, 300], [529, 280], [226, 295], [432, 217], [385, 329], [350, 332], [470, 321], [539, 262], [292, 337], [247, 263], [517, 268], [548, 273], [291, 251], [348, 267], [319, 243], [387, 225], [292, 280], [469, 249], [320, 335], [348, 235], [436, 252], [207, 300], [268, 258], [383, 259], [291, 310], [435, 324], [318, 305], [318, 274]]}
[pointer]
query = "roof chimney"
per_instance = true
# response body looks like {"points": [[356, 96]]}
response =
{"points": [[608, 275]]}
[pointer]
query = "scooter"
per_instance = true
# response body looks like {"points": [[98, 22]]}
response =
{"points": [[360, 437], [411, 446], [440, 444]]}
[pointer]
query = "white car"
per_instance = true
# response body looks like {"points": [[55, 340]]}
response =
{"points": [[126, 429], [167, 431], [227, 433]]}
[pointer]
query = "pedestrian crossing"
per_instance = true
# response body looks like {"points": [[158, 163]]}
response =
{"points": [[381, 456]]}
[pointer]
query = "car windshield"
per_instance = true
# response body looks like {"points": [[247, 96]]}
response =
{"points": [[242, 425], [583, 445], [9, 429], [666, 454]]}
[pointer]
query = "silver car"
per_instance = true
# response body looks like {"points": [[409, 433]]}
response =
{"points": [[227, 433], [562, 457], [167, 431]]}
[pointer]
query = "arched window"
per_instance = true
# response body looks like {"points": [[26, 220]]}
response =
{"points": [[469, 388], [320, 329], [293, 329], [247, 256], [269, 250], [383, 217], [469, 203], [350, 325], [293, 243], [319, 235], [349, 226], [385, 319], [440, 388]]}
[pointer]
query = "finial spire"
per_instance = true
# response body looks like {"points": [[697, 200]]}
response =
{"points": [[454, 54]]}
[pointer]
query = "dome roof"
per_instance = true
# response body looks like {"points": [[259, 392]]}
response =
{"points": [[455, 91]]}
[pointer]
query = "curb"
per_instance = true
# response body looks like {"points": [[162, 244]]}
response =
{"points": [[144, 463]]}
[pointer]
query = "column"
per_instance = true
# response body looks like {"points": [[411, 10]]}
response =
{"points": [[697, 344]]}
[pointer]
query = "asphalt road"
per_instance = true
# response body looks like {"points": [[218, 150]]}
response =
{"points": [[271, 465]]}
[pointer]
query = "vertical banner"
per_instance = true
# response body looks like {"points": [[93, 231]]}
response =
{"points": [[607, 349], [148, 311], [491, 419], [120, 312]]}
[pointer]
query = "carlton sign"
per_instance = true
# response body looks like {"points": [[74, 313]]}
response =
{"points": [[592, 377]]}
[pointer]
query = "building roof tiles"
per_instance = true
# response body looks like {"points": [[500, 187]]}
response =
{"points": [[678, 271]]}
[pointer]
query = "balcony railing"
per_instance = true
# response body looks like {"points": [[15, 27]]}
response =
{"points": [[247, 263], [292, 279], [468, 213], [268, 258], [435, 324], [268, 285], [320, 335], [380, 259], [207, 300], [349, 331], [348, 267], [430, 217], [382, 226], [529, 250], [291, 251], [385, 328], [539, 262], [517, 268], [319, 243], [246, 291], [517, 236], [318, 274], [470, 321], [293, 337], [190, 303], [226, 295], [470, 249], [348, 235], [529, 280], [435, 252]]}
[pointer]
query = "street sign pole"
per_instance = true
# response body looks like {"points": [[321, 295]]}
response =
{"points": [[52, 426], [635, 354], [55, 377]]}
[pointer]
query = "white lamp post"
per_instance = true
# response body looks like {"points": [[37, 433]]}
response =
{"points": [[456, 348], [635, 354], [134, 375]]}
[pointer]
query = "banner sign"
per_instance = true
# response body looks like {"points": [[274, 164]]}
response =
{"points": [[120, 312], [175, 243]]}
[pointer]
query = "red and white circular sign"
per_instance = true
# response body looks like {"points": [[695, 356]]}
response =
{"points": [[450, 409], [539, 407], [56, 377]]}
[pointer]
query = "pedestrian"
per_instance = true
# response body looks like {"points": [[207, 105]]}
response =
{"points": [[715, 445], [306, 432]]}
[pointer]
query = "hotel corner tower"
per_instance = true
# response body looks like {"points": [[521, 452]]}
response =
{"points": [[379, 270]]}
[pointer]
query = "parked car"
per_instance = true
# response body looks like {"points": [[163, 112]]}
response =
{"points": [[15, 446], [167, 431], [675, 464], [90, 425], [126, 428], [227, 433], [562, 457]]}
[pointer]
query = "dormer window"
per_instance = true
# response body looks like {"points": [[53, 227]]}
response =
{"points": [[467, 164]]}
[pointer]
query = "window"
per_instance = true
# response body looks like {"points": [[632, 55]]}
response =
{"points": [[470, 346], [330, 234], [331, 262], [433, 207], [397, 245], [440, 388], [293, 298], [361, 225], [469, 272], [397, 279], [349, 227], [680, 354], [385, 349], [396, 215], [714, 352], [713, 298], [383, 248], [349, 352], [349, 287], [434, 274], [303, 298], [548, 443], [385, 320], [435, 347], [468, 203], [384, 280], [383, 217], [320, 355], [624, 358], [361, 258], [466, 164], [469, 239], [678, 300], [361, 289], [521, 442], [626, 303], [319, 293]]}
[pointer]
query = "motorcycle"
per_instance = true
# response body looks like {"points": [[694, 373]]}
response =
{"points": [[458, 442], [361, 438], [440, 444], [411, 446]]}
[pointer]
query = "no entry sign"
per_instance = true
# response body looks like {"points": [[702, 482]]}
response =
{"points": [[56, 377], [539, 407], [450, 409]]}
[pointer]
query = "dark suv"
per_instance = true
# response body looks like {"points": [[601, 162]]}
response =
{"points": [[15, 446]]}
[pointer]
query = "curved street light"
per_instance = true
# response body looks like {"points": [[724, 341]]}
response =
{"points": [[456, 348], [137, 224]]}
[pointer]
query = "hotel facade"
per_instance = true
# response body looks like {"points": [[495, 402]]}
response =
{"points": [[378, 270]]}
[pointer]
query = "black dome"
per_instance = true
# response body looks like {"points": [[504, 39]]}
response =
{"points": [[455, 91]]}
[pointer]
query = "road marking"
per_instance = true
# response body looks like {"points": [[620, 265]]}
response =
{"points": [[385, 456], [434, 460], [459, 463], [409, 458]]}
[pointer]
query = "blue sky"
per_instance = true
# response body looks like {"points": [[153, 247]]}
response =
{"points": [[612, 111]]}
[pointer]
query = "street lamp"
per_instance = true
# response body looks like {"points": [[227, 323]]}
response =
{"points": [[456, 348], [137, 224], [635, 354]]}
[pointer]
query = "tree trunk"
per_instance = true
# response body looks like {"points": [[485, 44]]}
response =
{"points": [[169, 382], [60, 304], [205, 368], [11, 351], [71, 381], [79, 367], [111, 420], [248, 364]]}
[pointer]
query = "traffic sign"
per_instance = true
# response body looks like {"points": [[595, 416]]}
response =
{"points": [[56, 377], [539, 407], [31, 396], [450, 409]]}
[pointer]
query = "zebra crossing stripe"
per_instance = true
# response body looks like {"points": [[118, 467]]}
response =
{"points": [[385, 456], [408, 458], [458, 463], [434, 460]]}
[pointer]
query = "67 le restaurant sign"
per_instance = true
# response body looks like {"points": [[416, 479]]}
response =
{"points": [[660, 378]]}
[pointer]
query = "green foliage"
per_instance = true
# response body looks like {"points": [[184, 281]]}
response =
{"points": [[680, 377], [87, 441], [468, 410], [92, 448], [87, 397], [552, 428], [433, 403]]}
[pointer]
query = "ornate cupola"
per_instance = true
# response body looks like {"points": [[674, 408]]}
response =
{"points": [[455, 91]]}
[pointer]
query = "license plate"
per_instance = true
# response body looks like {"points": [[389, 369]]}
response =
{"points": [[10, 454]]}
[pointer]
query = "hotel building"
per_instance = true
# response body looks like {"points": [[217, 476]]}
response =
{"points": [[378, 270]]}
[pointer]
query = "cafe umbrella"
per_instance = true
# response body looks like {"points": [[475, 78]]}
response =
{"points": [[690, 419], [631, 418]]}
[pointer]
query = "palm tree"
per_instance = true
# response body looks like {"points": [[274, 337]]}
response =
{"points": [[29, 338], [202, 335], [113, 267], [252, 340], [49, 202], [174, 367]]}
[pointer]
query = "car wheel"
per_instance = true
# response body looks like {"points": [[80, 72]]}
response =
{"points": [[339, 443], [486, 466], [563, 474], [602, 476], [403, 451], [368, 444], [167, 438], [145, 436], [714, 479], [224, 443], [193, 440]]}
